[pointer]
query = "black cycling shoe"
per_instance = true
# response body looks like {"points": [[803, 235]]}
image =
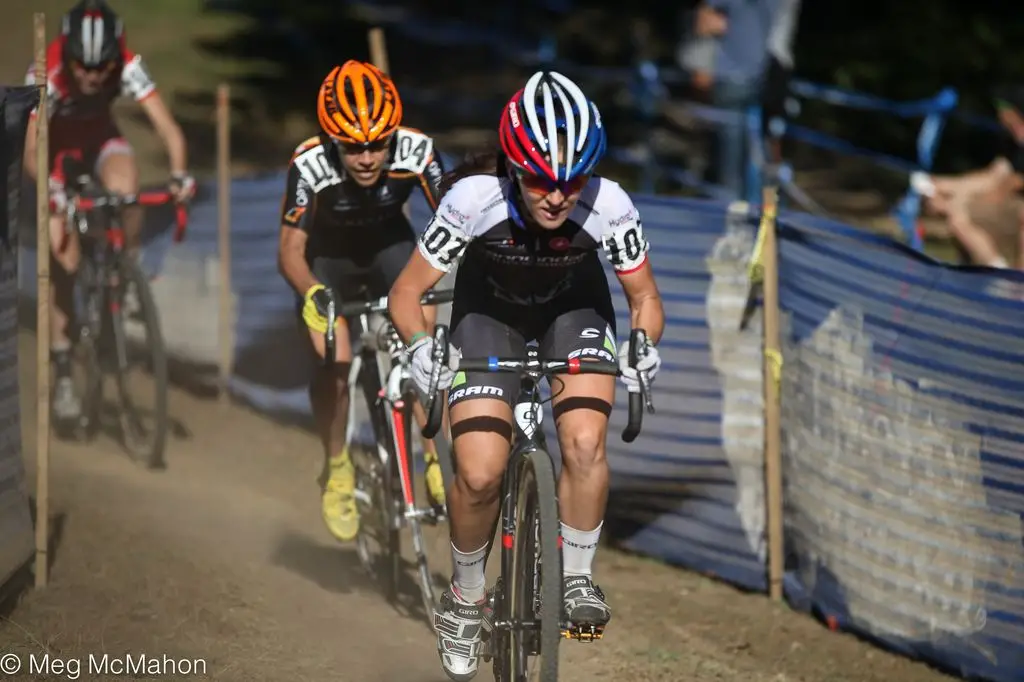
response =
{"points": [[583, 603]]}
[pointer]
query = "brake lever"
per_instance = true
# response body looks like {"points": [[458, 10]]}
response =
{"points": [[641, 375], [330, 342]]}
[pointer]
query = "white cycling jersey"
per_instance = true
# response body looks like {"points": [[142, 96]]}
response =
{"points": [[478, 223]]}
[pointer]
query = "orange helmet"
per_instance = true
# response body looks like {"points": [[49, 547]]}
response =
{"points": [[358, 103]]}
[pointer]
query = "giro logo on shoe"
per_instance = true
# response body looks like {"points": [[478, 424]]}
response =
{"points": [[492, 391], [592, 353]]}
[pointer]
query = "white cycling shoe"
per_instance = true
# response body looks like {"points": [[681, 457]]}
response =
{"points": [[459, 627]]}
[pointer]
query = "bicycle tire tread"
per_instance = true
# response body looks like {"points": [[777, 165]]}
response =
{"points": [[131, 273], [551, 571]]}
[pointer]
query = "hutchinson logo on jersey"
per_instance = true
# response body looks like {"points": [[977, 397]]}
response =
{"points": [[453, 215], [630, 215]]}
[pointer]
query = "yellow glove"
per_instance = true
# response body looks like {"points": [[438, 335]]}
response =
{"points": [[314, 311]]}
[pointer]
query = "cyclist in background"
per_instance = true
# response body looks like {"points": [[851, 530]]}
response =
{"points": [[342, 228], [527, 223], [89, 66]]}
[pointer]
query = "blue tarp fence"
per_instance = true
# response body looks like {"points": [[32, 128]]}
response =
{"points": [[903, 399]]}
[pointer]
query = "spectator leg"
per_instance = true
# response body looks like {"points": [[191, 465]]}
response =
{"points": [[732, 152]]}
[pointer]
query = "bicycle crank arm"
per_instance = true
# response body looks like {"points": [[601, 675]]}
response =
{"points": [[584, 633], [510, 626]]}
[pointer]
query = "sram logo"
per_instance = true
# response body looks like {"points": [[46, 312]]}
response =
{"points": [[592, 353], [492, 391]]}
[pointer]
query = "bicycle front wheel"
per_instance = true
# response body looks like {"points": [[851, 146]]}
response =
{"points": [[141, 362], [535, 586], [378, 542]]}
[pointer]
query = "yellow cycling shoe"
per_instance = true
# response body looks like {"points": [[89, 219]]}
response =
{"points": [[435, 481], [338, 503]]}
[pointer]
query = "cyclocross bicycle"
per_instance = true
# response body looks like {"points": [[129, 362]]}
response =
{"points": [[385, 488], [526, 602], [108, 336]]}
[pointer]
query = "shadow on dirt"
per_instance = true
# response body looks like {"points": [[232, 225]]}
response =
{"points": [[23, 579], [337, 569]]}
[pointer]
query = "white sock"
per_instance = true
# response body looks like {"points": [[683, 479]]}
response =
{"points": [[578, 549], [999, 262], [468, 576]]}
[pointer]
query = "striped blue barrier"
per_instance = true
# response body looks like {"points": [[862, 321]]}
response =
{"points": [[903, 448]]}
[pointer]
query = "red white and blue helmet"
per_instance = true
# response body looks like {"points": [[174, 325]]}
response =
{"points": [[549, 105]]}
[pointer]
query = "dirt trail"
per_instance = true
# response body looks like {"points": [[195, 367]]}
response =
{"points": [[223, 559]]}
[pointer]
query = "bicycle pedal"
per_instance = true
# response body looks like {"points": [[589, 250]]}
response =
{"points": [[583, 633]]}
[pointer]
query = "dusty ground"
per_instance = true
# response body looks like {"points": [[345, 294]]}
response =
{"points": [[223, 558]]}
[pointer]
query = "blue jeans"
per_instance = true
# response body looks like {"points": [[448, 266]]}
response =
{"points": [[732, 137]]}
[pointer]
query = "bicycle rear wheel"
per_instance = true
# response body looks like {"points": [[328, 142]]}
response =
{"points": [[139, 341], [534, 592]]}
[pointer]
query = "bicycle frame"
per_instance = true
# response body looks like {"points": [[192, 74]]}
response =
{"points": [[79, 206], [397, 396]]}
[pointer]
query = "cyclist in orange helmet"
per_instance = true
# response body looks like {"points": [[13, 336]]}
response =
{"points": [[342, 228]]}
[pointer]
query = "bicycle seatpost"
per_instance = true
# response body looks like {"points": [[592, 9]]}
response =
{"points": [[435, 405]]}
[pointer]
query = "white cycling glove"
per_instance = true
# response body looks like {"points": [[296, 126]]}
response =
{"points": [[422, 364], [649, 363]]}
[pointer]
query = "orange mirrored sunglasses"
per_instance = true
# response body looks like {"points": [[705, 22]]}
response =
{"points": [[357, 148], [538, 184]]}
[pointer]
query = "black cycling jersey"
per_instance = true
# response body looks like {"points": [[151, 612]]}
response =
{"points": [[345, 220]]}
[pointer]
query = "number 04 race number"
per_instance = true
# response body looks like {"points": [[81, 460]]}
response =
{"points": [[442, 244]]}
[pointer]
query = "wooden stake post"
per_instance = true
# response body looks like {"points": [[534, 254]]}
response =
{"points": [[378, 49], [42, 312], [226, 316], [772, 390], [379, 57]]}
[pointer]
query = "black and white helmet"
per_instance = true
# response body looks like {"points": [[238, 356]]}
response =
{"points": [[93, 34]]}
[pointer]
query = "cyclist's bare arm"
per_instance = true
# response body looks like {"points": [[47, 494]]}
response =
{"points": [[298, 211], [416, 278], [168, 130], [29, 159], [626, 248], [430, 180], [291, 259], [645, 308]]}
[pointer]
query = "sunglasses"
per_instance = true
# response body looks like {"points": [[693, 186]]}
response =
{"points": [[538, 184], [357, 148], [104, 68]]}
